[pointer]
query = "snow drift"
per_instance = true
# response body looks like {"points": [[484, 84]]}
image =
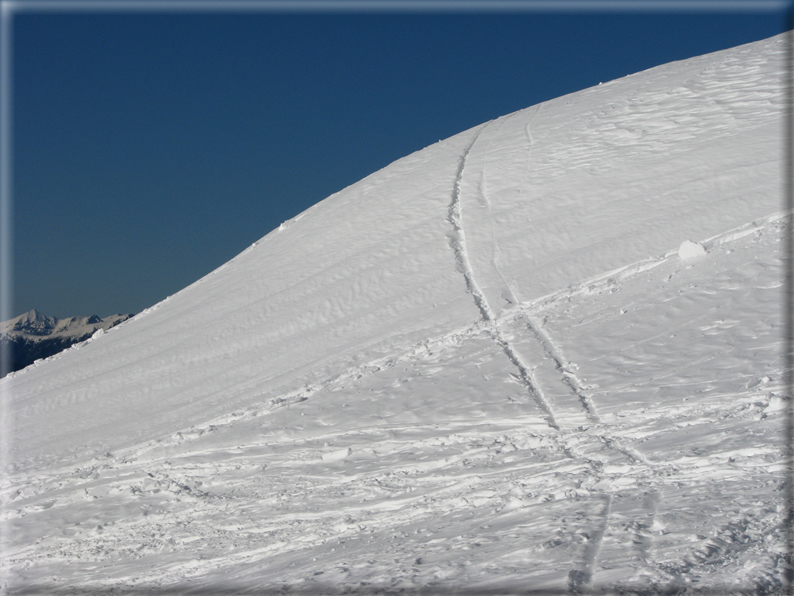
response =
{"points": [[494, 364]]}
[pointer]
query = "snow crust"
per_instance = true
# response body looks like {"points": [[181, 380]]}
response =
{"points": [[492, 365]]}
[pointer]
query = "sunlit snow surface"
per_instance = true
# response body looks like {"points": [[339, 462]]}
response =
{"points": [[544, 354]]}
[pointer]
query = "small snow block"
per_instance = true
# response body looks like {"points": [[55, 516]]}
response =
{"points": [[690, 250], [334, 456], [776, 404]]}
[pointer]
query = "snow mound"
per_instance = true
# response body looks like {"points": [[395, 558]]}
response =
{"points": [[689, 251]]}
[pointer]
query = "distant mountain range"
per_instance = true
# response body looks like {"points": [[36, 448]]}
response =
{"points": [[34, 335]]}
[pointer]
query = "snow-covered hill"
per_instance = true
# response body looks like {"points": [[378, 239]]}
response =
{"points": [[543, 354], [34, 335]]}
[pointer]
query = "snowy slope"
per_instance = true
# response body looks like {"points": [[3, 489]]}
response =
{"points": [[487, 366]]}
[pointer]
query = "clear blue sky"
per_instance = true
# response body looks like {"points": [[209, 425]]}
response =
{"points": [[150, 147]]}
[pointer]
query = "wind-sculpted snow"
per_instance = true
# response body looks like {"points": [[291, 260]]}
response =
{"points": [[488, 368]]}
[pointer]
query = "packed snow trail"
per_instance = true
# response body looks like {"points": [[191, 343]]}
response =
{"points": [[342, 409]]}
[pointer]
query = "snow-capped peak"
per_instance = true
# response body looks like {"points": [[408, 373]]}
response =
{"points": [[32, 322], [35, 324]]}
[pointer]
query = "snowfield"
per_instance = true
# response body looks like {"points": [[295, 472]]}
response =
{"points": [[541, 356]]}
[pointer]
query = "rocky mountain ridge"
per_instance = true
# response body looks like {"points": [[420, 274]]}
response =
{"points": [[34, 335]]}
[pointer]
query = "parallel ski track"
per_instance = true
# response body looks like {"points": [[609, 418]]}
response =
{"points": [[458, 245], [580, 577], [548, 346], [554, 353], [643, 530]]}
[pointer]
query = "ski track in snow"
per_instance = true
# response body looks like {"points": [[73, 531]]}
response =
{"points": [[523, 312], [508, 293], [643, 537], [550, 350], [554, 353], [458, 237], [610, 280], [581, 576], [458, 243]]}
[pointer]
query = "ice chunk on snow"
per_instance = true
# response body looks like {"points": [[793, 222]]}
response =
{"points": [[776, 403], [336, 455], [690, 250]]}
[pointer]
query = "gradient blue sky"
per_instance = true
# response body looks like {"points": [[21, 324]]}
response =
{"points": [[149, 148]]}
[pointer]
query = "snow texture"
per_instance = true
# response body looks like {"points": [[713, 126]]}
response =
{"points": [[489, 368]]}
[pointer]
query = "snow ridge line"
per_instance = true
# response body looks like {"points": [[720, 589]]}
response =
{"points": [[555, 354], [457, 241]]}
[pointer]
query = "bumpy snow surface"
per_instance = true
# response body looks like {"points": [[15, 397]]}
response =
{"points": [[543, 354]]}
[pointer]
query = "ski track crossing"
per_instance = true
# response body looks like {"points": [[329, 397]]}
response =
{"points": [[582, 574], [464, 264]]}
